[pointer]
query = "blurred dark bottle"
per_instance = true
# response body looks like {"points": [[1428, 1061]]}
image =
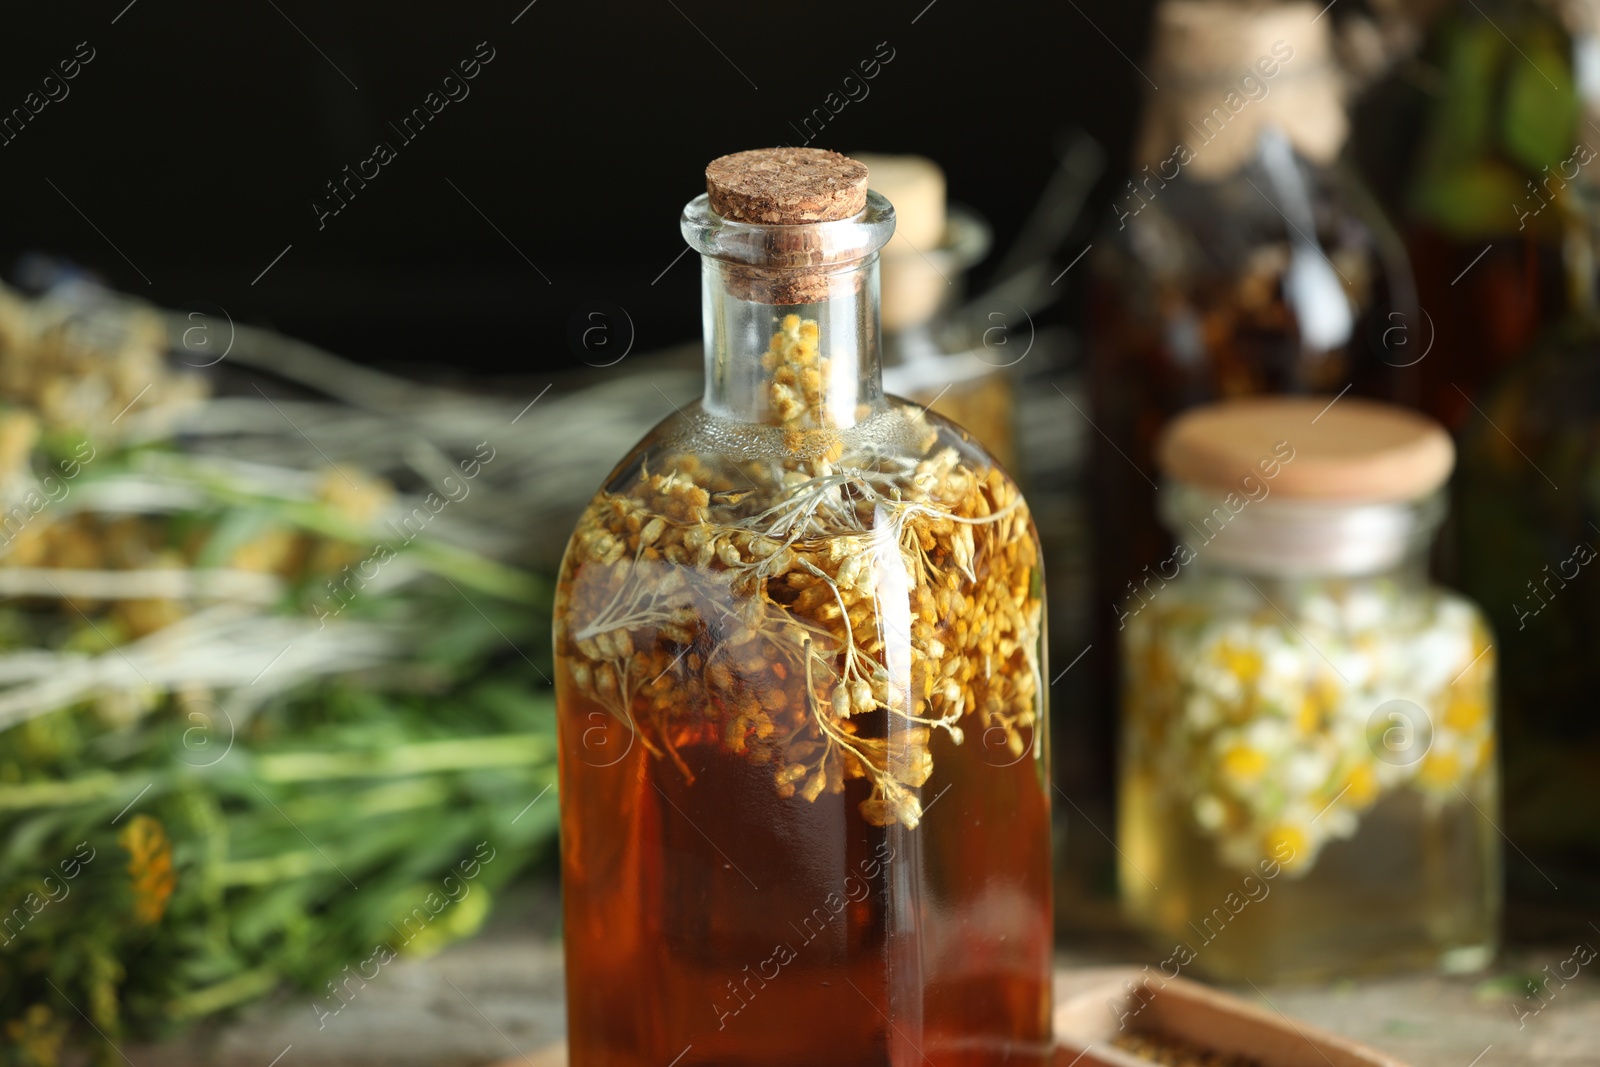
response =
{"points": [[1528, 507], [1483, 229], [930, 353], [1242, 259]]}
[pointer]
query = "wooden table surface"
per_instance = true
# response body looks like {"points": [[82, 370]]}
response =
{"points": [[498, 997]]}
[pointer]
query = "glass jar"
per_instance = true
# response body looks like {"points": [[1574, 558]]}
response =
{"points": [[1308, 774], [1241, 259], [799, 679]]}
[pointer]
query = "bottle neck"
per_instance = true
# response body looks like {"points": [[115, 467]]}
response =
{"points": [[792, 329], [818, 363]]}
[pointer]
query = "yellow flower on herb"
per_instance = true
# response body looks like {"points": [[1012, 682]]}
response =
{"points": [[358, 496], [149, 867], [38, 1035], [277, 550]]}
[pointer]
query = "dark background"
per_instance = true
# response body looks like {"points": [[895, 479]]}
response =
{"points": [[193, 145]]}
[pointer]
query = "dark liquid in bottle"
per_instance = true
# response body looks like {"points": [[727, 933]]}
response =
{"points": [[719, 921]]}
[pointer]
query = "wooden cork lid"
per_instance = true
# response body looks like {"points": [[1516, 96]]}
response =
{"points": [[1348, 450], [786, 186]]}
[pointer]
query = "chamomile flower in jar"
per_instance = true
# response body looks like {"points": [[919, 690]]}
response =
{"points": [[1308, 776]]}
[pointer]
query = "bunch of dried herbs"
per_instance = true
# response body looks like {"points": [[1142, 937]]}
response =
{"points": [[252, 711]]}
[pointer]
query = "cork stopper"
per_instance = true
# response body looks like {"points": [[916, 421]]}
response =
{"points": [[781, 224], [786, 186], [1348, 451]]}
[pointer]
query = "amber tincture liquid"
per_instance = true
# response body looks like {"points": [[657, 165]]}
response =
{"points": [[804, 785]]}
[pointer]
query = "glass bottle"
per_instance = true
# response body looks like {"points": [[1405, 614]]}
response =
{"points": [[1308, 771], [1242, 259], [799, 663], [1483, 229], [1529, 525]]}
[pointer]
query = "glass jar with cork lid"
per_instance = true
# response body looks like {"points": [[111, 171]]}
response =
{"points": [[1308, 768], [799, 681]]}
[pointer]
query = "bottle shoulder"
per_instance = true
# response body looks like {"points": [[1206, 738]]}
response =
{"points": [[902, 449], [1233, 226], [700, 491]]}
